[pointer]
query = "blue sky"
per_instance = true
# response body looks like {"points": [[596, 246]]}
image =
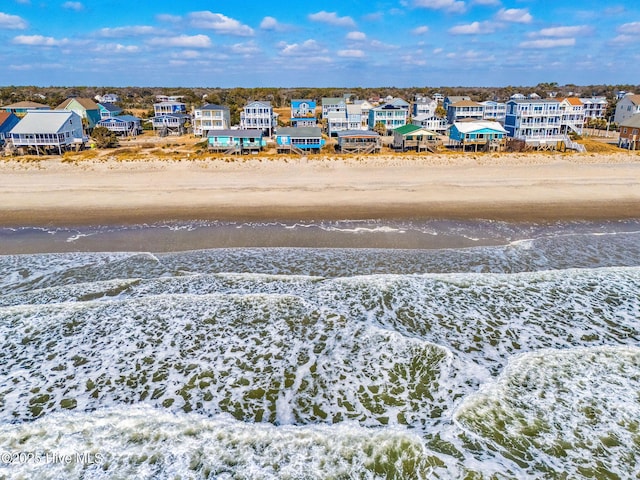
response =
{"points": [[318, 44]]}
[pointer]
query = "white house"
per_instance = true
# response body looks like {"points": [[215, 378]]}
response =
{"points": [[423, 106], [331, 105], [534, 120], [595, 107], [435, 124], [572, 119], [495, 111], [258, 115], [627, 107], [47, 131], [210, 117]]}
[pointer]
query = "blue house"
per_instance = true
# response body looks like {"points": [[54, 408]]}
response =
{"points": [[237, 141], [108, 110], [484, 133], [127, 125], [303, 113], [299, 139], [7, 122]]}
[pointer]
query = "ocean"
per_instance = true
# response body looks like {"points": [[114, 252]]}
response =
{"points": [[321, 350]]}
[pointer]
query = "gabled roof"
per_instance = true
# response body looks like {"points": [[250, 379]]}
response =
{"points": [[44, 121], [332, 100], [4, 116], [259, 102], [358, 133], [533, 100], [211, 106], [297, 132], [86, 103], [354, 109], [457, 98], [413, 129], [24, 105], [110, 107], [635, 99], [473, 126], [398, 102], [466, 103], [575, 101], [633, 122]]}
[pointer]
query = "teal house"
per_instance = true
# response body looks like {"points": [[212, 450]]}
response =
{"points": [[237, 141], [299, 139], [477, 133]]}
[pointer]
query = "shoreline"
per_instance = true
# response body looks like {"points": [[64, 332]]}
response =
{"points": [[508, 187]]}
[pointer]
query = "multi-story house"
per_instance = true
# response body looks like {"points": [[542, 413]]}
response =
{"points": [[170, 116], [572, 110], [49, 131], [330, 105], [495, 111], [438, 97], [536, 120], [435, 124], [108, 110], [627, 107], [210, 117], [8, 120], [260, 115], [303, 113], [365, 106], [88, 110], [453, 99], [464, 109], [423, 106], [595, 107], [630, 133], [388, 115], [350, 119]]}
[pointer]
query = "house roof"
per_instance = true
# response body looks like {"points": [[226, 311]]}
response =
{"points": [[572, 101], [466, 103], [354, 109], [34, 105], [633, 121], [413, 129], [86, 103], [4, 116], [236, 133], [259, 102], [358, 133], [298, 132], [110, 107], [44, 121], [533, 100], [457, 98], [332, 100], [473, 126], [211, 106], [120, 118], [635, 99]]}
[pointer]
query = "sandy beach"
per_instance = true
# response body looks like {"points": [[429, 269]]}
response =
{"points": [[104, 190]]}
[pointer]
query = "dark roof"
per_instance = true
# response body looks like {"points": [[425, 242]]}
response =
{"points": [[110, 107], [633, 122], [533, 100], [236, 133], [300, 132], [211, 106], [358, 133]]}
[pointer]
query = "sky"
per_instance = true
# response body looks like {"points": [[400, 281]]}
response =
{"points": [[401, 43]]}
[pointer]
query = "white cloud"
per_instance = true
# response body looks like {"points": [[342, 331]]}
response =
{"points": [[269, 23], [186, 41], [474, 28], [514, 15], [77, 6], [308, 47], [438, 51], [220, 24], [378, 45], [421, 30], [549, 43], [248, 48], [623, 39], [356, 36], [453, 6], [39, 41], [13, 22], [164, 17], [351, 53], [132, 31], [629, 28], [332, 18], [486, 3], [562, 31], [116, 48]]}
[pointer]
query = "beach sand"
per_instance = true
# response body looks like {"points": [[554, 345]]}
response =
{"points": [[520, 187]]}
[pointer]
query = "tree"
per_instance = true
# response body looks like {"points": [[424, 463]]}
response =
{"points": [[104, 138], [380, 128]]}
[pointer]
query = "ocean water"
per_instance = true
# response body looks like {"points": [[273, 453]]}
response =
{"points": [[321, 350]]}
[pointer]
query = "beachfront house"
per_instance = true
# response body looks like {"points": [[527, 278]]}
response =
{"points": [[572, 120], [86, 108], [388, 116], [299, 140], [494, 111], [20, 109], [630, 133], [454, 99], [303, 113], [536, 121], [423, 106], [350, 119], [126, 125], [237, 141], [595, 107], [8, 120], [413, 137], [333, 105], [485, 135], [365, 106], [107, 98], [358, 141], [170, 116], [463, 110], [627, 107], [260, 115], [48, 132], [108, 110], [432, 123], [210, 117]]}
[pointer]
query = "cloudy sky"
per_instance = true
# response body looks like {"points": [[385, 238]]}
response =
{"points": [[348, 43]]}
